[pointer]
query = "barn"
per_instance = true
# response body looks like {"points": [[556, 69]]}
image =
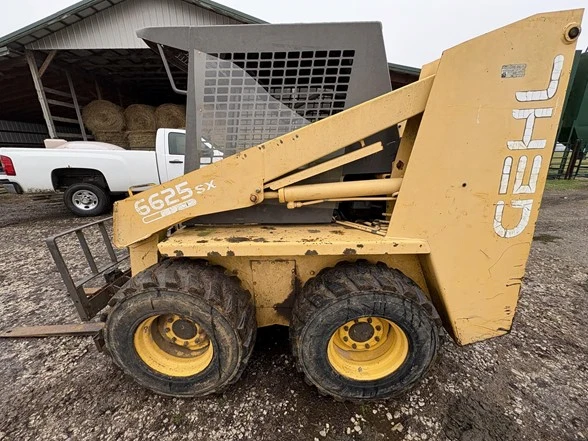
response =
{"points": [[51, 69]]}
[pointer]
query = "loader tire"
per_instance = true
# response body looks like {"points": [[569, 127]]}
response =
{"points": [[362, 331], [182, 328], [86, 200]]}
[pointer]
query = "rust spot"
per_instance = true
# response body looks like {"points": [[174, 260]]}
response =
{"points": [[237, 239], [311, 253], [201, 241], [314, 231], [359, 245], [395, 244], [179, 253], [336, 232], [230, 253], [400, 165], [268, 228], [260, 239], [349, 251], [214, 254]]}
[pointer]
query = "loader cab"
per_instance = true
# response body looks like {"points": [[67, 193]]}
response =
{"points": [[242, 95]]}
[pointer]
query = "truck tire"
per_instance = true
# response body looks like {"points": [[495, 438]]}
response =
{"points": [[181, 328], [363, 332], [86, 199]]}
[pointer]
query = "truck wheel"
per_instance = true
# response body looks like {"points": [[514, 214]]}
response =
{"points": [[181, 328], [363, 332], [86, 199]]}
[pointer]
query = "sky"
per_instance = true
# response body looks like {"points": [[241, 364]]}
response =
{"points": [[415, 31]]}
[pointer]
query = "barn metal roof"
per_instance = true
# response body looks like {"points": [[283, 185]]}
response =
{"points": [[86, 8]]}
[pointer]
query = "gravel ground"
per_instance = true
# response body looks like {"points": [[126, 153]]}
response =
{"points": [[529, 385]]}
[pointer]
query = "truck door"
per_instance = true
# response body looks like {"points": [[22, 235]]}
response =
{"points": [[174, 154]]}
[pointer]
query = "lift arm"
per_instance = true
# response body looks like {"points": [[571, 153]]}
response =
{"points": [[239, 180]]}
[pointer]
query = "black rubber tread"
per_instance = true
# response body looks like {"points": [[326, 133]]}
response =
{"points": [[104, 202], [347, 279], [199, 279]]}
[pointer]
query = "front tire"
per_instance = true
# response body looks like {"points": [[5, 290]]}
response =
{"points": [[86, 200], [182, 328], [363, 332]]}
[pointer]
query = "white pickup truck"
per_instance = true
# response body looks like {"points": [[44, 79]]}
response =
{"points": [[91, 174]]}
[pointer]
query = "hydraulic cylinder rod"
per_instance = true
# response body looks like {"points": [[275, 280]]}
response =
{"points": [[336, 190]]}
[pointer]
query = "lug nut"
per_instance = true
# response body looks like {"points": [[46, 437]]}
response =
{"points": [[167, 330], [345, 339], [174, 339], [378, 328], [354, 346], [377, 339], [369, 320], [346, 328], [367, 345], [185, 343], [170, 320]]}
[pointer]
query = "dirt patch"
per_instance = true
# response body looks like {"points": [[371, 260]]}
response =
{"points": [[528, 385]]}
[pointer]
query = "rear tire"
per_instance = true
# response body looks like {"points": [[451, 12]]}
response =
{"points": [[86, 200], [211, 344], [363, 332]]}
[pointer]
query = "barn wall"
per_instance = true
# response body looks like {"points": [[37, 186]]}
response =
{"points": [[116, 27]]}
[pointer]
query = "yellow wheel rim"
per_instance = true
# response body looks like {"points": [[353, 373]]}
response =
{"points": [[367, 348], [173, 345]]}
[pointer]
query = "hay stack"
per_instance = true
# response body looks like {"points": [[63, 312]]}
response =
{"points": [[140, 117], [141, 139], [117, 138], [103, 116], [170, 116]]}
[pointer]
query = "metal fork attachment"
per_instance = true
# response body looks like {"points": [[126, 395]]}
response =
{"points": [[90, 301]]}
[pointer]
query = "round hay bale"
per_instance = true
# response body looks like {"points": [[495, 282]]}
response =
{"points": [[170, 116], [141, 139], [140, 117], [103, 116], [117, 138]]}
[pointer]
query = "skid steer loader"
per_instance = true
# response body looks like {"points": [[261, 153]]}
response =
{"points": [[443, 244]]}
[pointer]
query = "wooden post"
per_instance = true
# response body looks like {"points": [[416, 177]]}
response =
{"points": [[47, 62], [30, 57], [98, 91], [76, 105]]}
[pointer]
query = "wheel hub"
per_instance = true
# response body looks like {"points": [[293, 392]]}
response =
{"points": [[85, 199], [173, 345], [361, 332], [184, 329], [367, 348]]}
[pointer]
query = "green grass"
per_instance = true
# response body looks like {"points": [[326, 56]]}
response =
{"points": [[565, 184]]}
